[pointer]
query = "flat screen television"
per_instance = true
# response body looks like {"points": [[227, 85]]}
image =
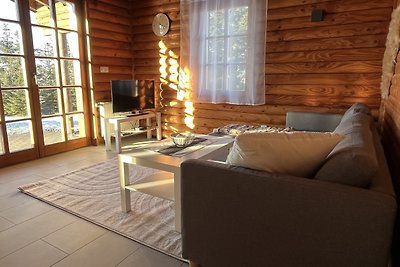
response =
{"points": [[132, 95]]}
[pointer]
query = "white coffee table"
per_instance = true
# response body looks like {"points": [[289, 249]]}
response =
{"points": [[218, 146]]}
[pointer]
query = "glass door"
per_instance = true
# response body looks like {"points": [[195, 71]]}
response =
{"points": [[43, 100], [57, 54], [16, 119]]}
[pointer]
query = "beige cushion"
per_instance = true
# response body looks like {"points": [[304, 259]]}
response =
{"points": [[294, 153]]}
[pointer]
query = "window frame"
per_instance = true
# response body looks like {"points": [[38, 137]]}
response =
{"points": [[227, 38], [236, 67]]}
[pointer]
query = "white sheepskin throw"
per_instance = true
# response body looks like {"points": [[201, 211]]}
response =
{"points": [[389, 58]]}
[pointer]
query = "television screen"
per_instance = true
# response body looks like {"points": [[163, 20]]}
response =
{"points": [[132, 95]]}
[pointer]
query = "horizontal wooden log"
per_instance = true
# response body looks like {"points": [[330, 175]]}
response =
{"points": [[313, 101], [151, 11], [107, 77], [121, 4], [330, 19], [147, 62], [146, 54], [107, 8], [104, 52], [111, 61], [144, 47], [102, 87], [253, 118], [171, 102], [260, 118], [102, 34], [370, 79], [105, 86], [265, 109], [274, 4], [327, 55], [110, 26], [137, 4], [325, 90], [139, 76], [259, 109], [174, 111], [114, 69], [148, 71], [99, 15], [142, 29], [172, 36], [102, 96], [329, 31], [329, 7], [273, 109], [336, 43], [110, 44], [326, 67]]}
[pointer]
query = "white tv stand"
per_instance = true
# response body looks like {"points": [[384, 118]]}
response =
{"points": [[116, 122]]}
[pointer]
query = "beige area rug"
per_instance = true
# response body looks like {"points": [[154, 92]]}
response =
{"points": [[93, 193]]}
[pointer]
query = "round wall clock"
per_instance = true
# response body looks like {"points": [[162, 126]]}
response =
{"points": [[160, 24]]}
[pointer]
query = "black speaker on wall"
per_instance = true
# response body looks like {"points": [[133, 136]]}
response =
{"points": [[317, 15]]}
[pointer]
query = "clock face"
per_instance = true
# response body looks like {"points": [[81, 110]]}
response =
{"points": [[160, 24]]}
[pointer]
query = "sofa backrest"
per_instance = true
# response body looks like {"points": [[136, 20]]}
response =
{"points": [[353, 161]]}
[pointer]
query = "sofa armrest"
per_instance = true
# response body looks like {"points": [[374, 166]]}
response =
{"points": [[310, 121], [232, 216]]}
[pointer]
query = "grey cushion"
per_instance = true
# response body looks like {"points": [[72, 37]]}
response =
{"points": [[353, 161], [354, 109]]}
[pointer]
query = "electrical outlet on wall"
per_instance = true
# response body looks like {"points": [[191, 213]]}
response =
{"points": [[104, 69]]}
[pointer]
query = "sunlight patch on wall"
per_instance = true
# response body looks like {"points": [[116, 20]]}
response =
{"points": [[174, 79]]}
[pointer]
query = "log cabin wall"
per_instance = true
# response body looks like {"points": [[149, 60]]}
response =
{"points": [[110, 44], [310, 66]]}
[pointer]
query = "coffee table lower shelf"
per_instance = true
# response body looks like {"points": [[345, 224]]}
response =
{"points": [[171, 165], [159, 184]]}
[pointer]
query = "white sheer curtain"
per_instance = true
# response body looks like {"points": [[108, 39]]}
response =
{"points": [[223, 50]]}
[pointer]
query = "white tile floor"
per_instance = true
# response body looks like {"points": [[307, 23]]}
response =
{"points": [[33, 233]]}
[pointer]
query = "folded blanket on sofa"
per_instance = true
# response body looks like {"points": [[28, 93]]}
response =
{"points": [[235, 129]]}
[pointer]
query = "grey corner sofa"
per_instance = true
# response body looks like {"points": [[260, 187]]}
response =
{"points": [[233, 216]]}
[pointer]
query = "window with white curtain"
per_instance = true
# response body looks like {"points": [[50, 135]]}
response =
{"points": [[223, 50]]}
